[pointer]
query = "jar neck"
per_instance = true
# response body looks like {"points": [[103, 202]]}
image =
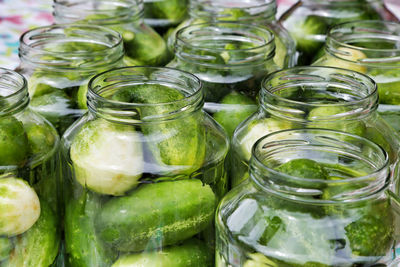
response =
{"points": [[98, 12], [224, 45], [294, 94], [71, 47], [362, 165], [103, 88], [253, 11], [14, 95], [367, 43]]}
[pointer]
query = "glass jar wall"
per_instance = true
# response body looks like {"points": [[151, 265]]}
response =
{"points": [[260, 12], [372, 48], [309, 20], [144, 169], [29, 192], [313, 97], [230, 59], [59, 60], [315, 197], [143, 46]]}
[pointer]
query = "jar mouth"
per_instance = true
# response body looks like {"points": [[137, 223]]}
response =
{"points": [[233, 10], [71, 47], [375, 43], [103, 12], [104, 86], [225, 44], [13, 92], [344, 151], [294, 92]]}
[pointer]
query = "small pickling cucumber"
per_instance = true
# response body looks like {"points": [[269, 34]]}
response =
{"points": [[83, 248], [19, 206], [192, 253], [5, 248], [155, 215], [39, 245], [107, 158]]}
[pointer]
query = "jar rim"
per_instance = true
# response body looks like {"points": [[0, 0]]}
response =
{"points": [[374, 186], [75, 10], [19, 97], [262, 51], [339, 35], [32, 41], [318, 75], [137, 75], [255, 7]]}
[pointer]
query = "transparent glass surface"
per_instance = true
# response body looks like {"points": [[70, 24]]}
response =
{"points": [[59, 60], [143, 171], [315, 197], [308, 21], [230, 59], [372, 48], [258, 12], [313, 97], [143, 45], [30, 225]]}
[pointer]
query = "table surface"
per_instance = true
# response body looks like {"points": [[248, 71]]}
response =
{"points": [[17, 16]]}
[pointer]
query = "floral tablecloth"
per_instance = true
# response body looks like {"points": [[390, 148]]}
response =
{"points": [[17, 16]]}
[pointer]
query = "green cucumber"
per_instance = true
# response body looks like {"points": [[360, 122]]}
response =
{"points": [[192, 253], [175, 148], [5, 248], [39, 245], [82, 246], [156, 215]]}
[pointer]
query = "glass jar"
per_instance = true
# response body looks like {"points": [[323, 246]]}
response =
{"points": [[230, 59], [308, 21], [313, 97], [143, 46], [164, 15], [29, 192], [259, 12], [143, 171], [315, 197], [59, 60], [372, 48]]}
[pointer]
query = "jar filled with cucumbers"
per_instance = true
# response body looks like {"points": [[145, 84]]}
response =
{"points": [[259, 12], [58, 61], [29, 188], [308, 21], [230, 59], [313, 97], [372, 48], [143, 45], [315, 197], [143, 172]]}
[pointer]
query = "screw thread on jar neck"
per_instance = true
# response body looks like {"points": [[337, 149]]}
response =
{"points": [[368, 43], [13, 92], [240, 11], [366, 162], [104, 86], [224, 45], [71, 47], [291, 94], [100, 12]]}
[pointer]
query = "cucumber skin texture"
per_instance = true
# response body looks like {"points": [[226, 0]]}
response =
{"points": [[39, 245], [192, 253], [155, 215], [82, 246]]}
